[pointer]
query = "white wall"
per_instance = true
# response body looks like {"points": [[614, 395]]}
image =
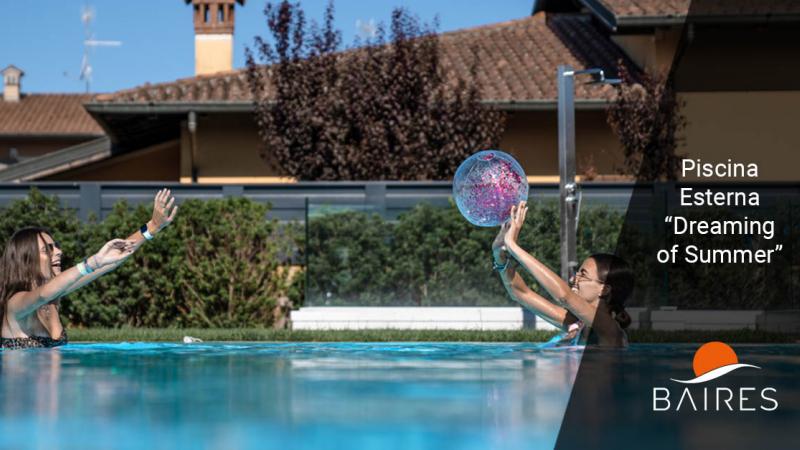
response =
{"points": [[510, 318], [430, 318]]}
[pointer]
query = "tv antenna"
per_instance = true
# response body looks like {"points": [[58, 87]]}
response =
{"points": [[366, 29], [89, 43]]}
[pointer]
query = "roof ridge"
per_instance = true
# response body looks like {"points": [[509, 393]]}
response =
{"points": [[61, 94], [179, 81], [540, 16]]}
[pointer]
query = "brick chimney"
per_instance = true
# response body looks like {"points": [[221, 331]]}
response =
{"points": [[213, 35], [11, 83]]}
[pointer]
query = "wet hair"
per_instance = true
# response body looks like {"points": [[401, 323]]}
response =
{"points": [[20, 269], [615, 272]]}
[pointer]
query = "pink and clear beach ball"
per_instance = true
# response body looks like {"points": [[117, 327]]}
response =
{"points": [[487, 185]]}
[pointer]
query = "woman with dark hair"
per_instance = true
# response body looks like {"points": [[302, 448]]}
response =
{"points": [[595, 298], [32, 282]]}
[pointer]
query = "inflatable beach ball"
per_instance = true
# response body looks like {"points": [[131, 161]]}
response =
{"points": [[487, 185]]}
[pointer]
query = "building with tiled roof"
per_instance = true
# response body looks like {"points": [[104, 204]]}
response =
{"points": [[636, 13], [201, 128], [33, 125], [506, 53], [627, 14], [517, 61]]}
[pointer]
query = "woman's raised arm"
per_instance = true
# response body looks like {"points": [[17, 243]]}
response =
{"points": [[553, 284], [519, 291], [164, 211], [24, 303]]}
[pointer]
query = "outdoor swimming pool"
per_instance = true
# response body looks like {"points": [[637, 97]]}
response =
{"points": [[342, 395], [285, 395]]}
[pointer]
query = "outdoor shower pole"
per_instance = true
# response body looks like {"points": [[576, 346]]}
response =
{"points": [[567, 188]]}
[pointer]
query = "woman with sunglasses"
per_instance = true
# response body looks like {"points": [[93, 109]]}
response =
{"points": [[594, 299], [32, 282]]}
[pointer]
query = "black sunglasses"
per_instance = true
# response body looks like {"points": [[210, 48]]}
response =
{"points": [[52, 246]]}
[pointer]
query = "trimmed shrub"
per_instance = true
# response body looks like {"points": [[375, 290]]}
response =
{"points": [[220, 264], [431, 256]]}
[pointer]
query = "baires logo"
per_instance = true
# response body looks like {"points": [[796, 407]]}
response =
{"points": [[711, 361]]}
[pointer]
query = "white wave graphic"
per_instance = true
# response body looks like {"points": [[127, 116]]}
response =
{"points": [[716, 373]]}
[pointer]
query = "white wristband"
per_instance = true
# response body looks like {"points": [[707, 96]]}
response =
{"points": [[145, 232], [82, 268]]}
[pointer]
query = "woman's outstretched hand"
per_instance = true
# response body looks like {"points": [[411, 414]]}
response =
{"points": [[164, 209], [114, 251], [518, 213]]}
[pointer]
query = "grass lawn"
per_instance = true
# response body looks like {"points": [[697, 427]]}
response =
{"points": [[262, 334]]}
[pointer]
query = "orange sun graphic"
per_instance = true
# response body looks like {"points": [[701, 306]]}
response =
{"points": [[713, 355]]}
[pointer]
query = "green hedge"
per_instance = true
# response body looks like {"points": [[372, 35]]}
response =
{"points": [[431, 256], [220, 264], [263, 334]]}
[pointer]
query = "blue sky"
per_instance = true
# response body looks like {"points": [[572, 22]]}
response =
{"points": [[45, 37]]}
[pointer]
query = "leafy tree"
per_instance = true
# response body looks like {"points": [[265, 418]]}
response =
{"points": [[646, 117], [382, 110]]}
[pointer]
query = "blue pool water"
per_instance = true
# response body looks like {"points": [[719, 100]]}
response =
{"points": [[284, 395], [308, 395]]}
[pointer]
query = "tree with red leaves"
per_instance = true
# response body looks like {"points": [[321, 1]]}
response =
{"points": [[380, 110], [646, 117]]}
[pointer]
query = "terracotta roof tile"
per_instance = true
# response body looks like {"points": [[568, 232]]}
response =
{"points": [[517, 61], [629, 9], [746, 7], [647, 8], [48, 114]]}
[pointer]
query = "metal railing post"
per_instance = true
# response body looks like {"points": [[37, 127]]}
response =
{"points": [[90, 201]]}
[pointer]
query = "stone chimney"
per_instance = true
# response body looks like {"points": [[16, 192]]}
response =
{"points": [[11, 83], [213, 35]]}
